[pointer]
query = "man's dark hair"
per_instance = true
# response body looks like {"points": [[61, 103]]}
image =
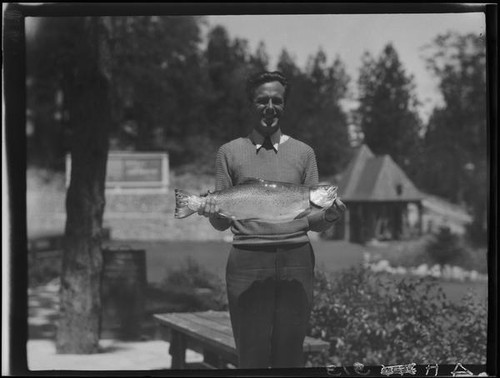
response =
{"points": [[266, 77]]}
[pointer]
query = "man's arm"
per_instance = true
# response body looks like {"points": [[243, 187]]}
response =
{"points": [[320, 221], [323, 220], [222, 181], [219, 223]]}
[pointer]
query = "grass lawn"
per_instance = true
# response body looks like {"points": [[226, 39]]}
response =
{"points": [[212, 255], [331, 256]]}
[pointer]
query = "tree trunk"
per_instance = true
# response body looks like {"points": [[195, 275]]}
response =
{"points": [[86, 90]]}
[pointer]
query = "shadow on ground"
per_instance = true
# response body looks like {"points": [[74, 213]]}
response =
{"points": [[43, 313]]}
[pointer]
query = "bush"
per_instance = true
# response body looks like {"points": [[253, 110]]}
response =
{"points": [[477, 231], [193, 288], [42, 270], [372, 319], [444, 247], [191, 274]]}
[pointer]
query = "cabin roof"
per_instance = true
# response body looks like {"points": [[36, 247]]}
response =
{"points": [[376, 178]]}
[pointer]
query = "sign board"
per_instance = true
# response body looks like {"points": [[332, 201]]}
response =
{"points": [[126, 170]]}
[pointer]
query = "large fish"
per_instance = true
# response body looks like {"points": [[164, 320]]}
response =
{"points": [[270, 201]]}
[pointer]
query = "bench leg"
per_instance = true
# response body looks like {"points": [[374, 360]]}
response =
{"points": [[178, 350]]}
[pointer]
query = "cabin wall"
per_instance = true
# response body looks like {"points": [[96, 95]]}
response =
{"points": [[364, 221]]}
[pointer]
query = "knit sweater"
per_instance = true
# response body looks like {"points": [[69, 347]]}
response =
{"points": [[294, 162]]}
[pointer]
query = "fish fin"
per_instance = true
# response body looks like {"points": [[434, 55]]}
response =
{"points": [[251, 180], [182, 209], [303, 214]]}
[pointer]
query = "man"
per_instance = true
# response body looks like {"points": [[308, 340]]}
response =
{"points": [[269, 273]]}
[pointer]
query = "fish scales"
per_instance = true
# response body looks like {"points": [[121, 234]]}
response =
{"points": [[263, 201]]}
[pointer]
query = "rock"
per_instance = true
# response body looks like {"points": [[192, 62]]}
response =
{"points": [[422, 270], [447, 272], [380, 266], [435, 271], [401, 270], [474, 275], [458, 273]]}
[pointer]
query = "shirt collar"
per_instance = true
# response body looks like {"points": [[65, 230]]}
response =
{"points": [[276, 138]]}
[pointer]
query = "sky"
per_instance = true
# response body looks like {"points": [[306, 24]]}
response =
{"points": [[349, 36]]}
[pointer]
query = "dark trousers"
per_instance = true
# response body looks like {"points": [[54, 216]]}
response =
{"points": [[270, 297]]}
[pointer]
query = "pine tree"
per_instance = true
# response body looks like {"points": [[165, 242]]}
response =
{"points": [[158, 77], [291, 122], [158, 93], [259, 61], [456, 144], [313, 113], [287, 66], [79, 59], [82, 60], [228, 64], [387, 112]]}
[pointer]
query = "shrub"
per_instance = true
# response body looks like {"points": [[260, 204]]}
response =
{"points": [[192, 274], [42, 270], [193, 288], [477, 231], [444, 247], [372, 319]]}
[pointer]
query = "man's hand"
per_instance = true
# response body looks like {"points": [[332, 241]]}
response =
{"points": [[208, 208], [334, 212]]}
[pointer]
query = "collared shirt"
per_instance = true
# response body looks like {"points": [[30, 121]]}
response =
{"points": [[276, 139]]}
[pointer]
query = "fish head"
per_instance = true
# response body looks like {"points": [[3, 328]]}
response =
{"points": [[323, 195]]}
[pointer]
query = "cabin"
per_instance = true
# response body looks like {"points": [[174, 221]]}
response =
{"points": [[382, 202], [438, 213]]}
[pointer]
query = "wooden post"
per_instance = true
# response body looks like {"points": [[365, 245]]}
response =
{"points": [[420, 218], [347, 224], [362, 218], [398, 220], [178, 350]]}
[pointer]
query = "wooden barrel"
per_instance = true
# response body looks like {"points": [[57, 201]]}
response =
{"points": [[123, 292]]}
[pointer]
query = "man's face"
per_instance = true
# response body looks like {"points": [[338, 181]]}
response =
{"points": [[268, 106]]}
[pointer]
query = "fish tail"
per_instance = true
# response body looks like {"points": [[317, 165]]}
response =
{"points": [[182, 209]]}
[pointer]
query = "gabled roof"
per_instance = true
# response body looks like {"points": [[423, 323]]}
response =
{"points": [[375, 178]]}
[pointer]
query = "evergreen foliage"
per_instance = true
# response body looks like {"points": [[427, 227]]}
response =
{"points": [[456, 164], [171, 93], [387, 112]]}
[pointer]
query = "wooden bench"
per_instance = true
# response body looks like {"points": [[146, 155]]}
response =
{"points": [[209, 333]]}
